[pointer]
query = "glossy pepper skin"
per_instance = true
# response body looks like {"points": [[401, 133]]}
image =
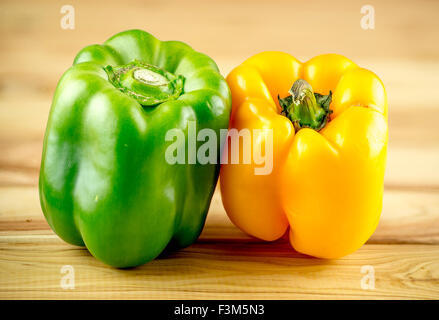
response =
{"points": [[327, 185], [104, 181]]}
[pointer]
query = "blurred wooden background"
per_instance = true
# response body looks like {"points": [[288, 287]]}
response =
{"points": [[224, 263]]}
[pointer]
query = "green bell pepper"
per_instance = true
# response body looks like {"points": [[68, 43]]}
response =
{"points": [[104, 182]]}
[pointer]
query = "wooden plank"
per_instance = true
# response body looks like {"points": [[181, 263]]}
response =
{"points": [[30, 267], [236, 26]]}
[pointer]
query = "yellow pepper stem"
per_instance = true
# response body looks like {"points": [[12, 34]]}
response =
{"points": [[305, 108]]}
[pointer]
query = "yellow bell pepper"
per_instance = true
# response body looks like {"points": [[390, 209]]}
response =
{"points": [[328, 163]]}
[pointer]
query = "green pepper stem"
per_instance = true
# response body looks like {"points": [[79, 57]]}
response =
{"points": [[147, 84], [305, 108]]}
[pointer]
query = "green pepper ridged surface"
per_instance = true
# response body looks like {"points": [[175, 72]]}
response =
{"points": [[104, 179]]}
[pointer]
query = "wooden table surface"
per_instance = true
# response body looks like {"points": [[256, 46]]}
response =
{"points": [[225, 263]]}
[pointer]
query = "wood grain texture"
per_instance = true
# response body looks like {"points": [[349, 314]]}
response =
{"points": [[218, 269], [226, 263]]}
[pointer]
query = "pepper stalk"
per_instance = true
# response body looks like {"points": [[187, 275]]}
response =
{"points": [[305, 108], [147, 84]]}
